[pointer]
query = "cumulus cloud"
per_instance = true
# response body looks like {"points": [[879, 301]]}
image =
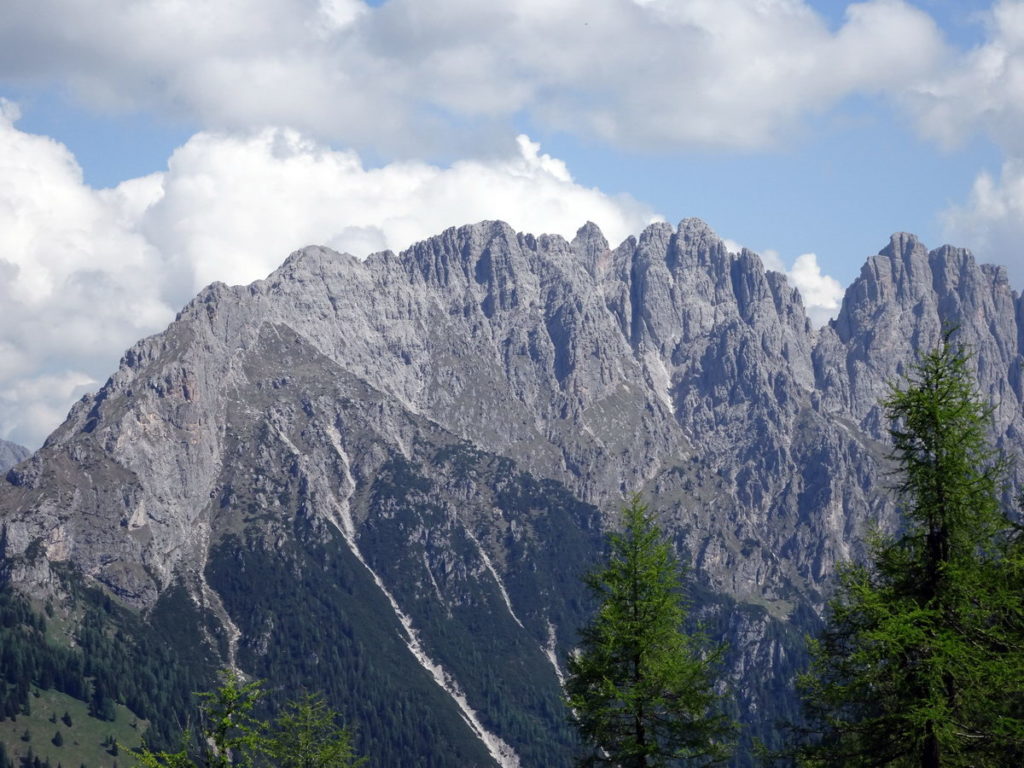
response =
{"points": [[233, 205], [75, 283], [771, 260], [821, 293], [414, 72], [982, 89], [992, 219], [985, 91], [84, 272]]}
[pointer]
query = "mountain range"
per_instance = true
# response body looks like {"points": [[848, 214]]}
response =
{"points": [[385, 479]]}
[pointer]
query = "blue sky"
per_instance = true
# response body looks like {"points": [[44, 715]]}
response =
{"points": [[147, 148]]}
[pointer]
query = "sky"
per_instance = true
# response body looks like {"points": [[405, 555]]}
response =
{"points": [[150, 147]]}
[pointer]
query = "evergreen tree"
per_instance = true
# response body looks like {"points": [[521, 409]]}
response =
{"points": [[228, 731], [306, 734], [640, 688], [922, 660], [57, 740]]}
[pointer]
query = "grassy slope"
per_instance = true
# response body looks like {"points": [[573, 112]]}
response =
{"points": [[83, 740]]}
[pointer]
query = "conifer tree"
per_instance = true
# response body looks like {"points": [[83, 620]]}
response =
{"points": [[306, 734], [640, 688], [922, 660], [228, 734]]}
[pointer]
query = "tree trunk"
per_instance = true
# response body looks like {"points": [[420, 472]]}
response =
{"points": [[930, 756]]}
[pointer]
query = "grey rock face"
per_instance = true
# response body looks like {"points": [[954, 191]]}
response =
{"points": [[11, 454], [665, 365]]}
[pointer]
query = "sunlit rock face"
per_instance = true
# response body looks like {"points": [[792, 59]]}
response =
{"points": [[435, 441]]}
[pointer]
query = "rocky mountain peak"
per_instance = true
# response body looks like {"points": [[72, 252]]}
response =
{"points": [[591, 248], [695, 239], [901, 302]]}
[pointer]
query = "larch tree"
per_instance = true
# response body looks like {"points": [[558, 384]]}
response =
{"points": [[640, 688], [305, 734], [921, 662]]}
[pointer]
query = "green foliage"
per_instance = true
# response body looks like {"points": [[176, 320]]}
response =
{"points": [[641, 689], [315, 610], [922, 660], [547, 540], [134, 662], [116, 657], [86, 741], [228, 732], [306, 734], [26, 658]]}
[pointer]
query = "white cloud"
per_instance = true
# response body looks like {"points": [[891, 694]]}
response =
{"points": [[731, 245], [84, 273], [413, 73], [772, 261], [233, 206], [983, 89], [76, 284], [992, 220], [821, 294]]}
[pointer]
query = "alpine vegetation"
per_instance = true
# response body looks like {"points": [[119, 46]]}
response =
{"points": [[640, 688], [922, 659]]}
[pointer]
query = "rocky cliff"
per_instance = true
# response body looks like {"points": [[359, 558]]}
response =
{"points": [[435, 439]]}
